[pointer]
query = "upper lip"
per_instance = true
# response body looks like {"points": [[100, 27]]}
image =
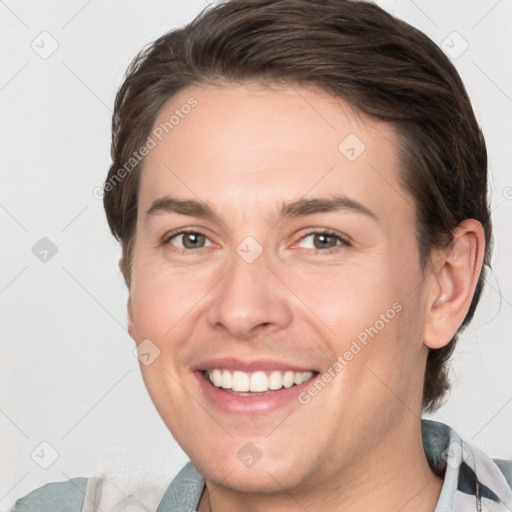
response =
{"points": [[247, 365]]}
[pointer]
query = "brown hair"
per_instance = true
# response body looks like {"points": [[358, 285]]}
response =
{"points": [[351, 49]]}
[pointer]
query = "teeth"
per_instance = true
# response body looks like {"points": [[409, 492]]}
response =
{"points": [[217, 378], [256, 382], [240, 381], [227, 380], [275, 381], [288, 379], [299, 378], [259, 382]]}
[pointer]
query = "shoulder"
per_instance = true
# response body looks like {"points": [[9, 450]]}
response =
{"points": [[437, 440], [505, 467], [468, 473], [67, 496], [117, 491], [184, 492]]}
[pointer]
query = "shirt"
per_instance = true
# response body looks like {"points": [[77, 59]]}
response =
{"points": [[472, 482]]}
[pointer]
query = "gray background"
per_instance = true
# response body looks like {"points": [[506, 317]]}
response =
{"points": [[68, 375]]}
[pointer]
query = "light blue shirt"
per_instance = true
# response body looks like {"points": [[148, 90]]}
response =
{"points": [[472, 482]]}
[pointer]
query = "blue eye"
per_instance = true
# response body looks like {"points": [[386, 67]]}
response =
{"points": [[323, 240], [188, 240]]}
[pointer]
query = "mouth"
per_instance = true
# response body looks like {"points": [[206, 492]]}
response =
{"points": [[252, 388], [243, 383]]}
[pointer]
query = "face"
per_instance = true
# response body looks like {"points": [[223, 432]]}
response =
{"points": [[275, 255]]}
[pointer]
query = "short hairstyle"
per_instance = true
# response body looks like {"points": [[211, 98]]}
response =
{"points": [[353, 50]]}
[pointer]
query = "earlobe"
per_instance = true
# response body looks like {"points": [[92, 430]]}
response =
{"points": [[453, 283]]}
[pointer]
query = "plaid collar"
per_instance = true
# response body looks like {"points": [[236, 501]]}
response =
{"points": [[472, 480]]}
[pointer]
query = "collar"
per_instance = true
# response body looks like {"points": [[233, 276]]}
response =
{"points": [[472, 480]]}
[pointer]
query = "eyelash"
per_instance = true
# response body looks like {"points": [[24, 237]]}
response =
{"points": [[174, 234], [343, 241]]}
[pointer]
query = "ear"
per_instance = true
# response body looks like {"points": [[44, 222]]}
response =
{"points": [[453, 282], [123, 272], [131, 323], [122, 269], [129, 308]]}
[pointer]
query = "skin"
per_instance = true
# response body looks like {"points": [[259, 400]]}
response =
{"points": [[246, 149]]}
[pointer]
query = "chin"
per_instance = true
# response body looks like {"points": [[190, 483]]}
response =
{"points": [[264, 477]]}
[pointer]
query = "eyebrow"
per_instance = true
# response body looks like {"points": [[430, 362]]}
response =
{"points": [[181, 207], [324, 205], [299, 208]]}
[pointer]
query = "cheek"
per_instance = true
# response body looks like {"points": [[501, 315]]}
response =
{"points": [[161, 299], [372, 314], [347, 299]]}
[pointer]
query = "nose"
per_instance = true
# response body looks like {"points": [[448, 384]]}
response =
{"points": [[249, 300]]}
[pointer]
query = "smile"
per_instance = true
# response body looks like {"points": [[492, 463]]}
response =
{"points": [[236, 385], [255, 382]]}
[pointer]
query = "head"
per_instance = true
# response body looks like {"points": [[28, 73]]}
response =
{"points": [[258, 104]]}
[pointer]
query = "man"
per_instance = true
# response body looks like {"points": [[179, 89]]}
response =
{"points": [[299, 188]]}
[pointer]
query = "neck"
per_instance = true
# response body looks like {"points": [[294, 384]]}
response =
{"points": [[395, 475]]}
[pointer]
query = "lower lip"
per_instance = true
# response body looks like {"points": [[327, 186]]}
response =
{"points": [[257, 404]]}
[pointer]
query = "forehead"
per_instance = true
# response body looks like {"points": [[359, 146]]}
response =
{"points": [[254, 145]]}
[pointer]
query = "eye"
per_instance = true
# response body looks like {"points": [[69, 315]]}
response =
{"points": [[188, 240], [322, 241]]}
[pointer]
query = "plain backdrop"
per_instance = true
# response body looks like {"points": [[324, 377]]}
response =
{"points": [[68, 376]]}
